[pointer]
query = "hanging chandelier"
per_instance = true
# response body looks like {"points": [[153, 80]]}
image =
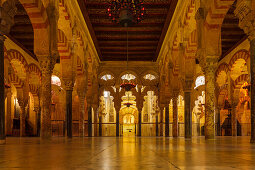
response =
{"points": [[126, 12]]}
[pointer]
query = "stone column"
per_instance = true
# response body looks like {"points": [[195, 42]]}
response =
{"points": [[167, 120], [234, 104], [8, 115], [2, 97], [47, 68], [69, 107], [7, 10], [22, 104], [252, 58], [187, 108], [117, 121], [140, 120], [161, 120], [95, 107], [246, 13], [82, 110], [175, 113], [89, 120], [218, 121], [157, 130], [209, 70], [100, 125]]}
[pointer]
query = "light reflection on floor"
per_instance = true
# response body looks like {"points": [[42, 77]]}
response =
{"points": [[129, 153]]}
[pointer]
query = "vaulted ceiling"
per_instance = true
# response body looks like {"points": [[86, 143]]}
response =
{"points": [[231, 34], [145, 38], [22, 31]]}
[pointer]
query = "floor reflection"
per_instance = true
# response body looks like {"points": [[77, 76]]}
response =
{"points": [[128, 153]]}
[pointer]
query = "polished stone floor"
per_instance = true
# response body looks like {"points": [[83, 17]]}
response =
{"points": [[128, 153]]}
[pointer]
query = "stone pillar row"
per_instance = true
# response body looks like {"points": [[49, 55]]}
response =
{"points": [[175, 113], [245, 11], [8, 11], [167, 119]]}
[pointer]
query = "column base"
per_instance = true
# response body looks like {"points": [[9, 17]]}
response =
{"points": [[252, 140], [2, 142]]}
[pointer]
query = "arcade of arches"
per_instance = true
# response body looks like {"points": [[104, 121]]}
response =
{"points": [[57, 81]]}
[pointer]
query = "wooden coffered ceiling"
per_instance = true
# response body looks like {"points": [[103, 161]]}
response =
{"points": [[145, 38], [231, 34], [22, 31]]}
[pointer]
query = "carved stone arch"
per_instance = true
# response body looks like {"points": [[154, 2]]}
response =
{"points": [[15, 80], [63, 46], [110, 82], [221, 74], [18, 63], [80, 67], [241, 54], [223, 95], [191, 48], [38, 15], [150, 88], [217, 11], [137, 79], [107, 88], [241, 80], [16, 55], [35, 75], [33, 68], [64, 22], [150, 82]]}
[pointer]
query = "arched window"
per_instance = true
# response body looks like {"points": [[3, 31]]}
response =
{"points": [[149, 77], [128, 77], [200, 81], [107, 77], [55, 80]]}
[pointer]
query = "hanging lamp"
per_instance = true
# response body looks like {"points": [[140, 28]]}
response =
{"points": [[126, 13]]}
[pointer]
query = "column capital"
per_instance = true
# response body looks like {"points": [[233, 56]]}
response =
{"points": [[210, 64], [69, 84], [46, 64], [175, 94], [187, 85], [200, 14], [7, 11], [246, 14]]}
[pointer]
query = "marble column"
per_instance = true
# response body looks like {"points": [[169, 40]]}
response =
{"points": [[157, 134], [188, 115], [46, 66], [100, 126], [8, 10], [89, 120], [161, 121], [2, 98], [234, 120], [252, 58], [167, 120], [175, 114], [140, 121], [209, 71], [69, 109], [81, 120], [22, 104], [187, 108], [245, 12], [9, 115], [95, 107], [117, 121], [218, 121]]}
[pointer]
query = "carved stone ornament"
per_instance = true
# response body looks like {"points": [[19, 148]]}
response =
{"points": [[246, 17], [7, 12]]}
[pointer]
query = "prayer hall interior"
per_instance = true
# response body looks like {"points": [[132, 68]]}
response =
{"points": [[127, 84]]}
